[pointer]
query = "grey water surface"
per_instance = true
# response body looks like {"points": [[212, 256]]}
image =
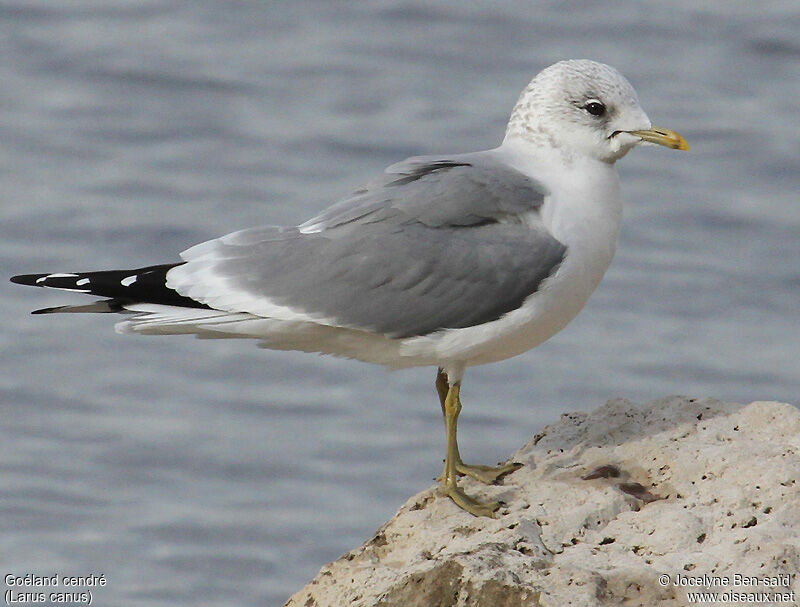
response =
{"points": [[211, 472]]}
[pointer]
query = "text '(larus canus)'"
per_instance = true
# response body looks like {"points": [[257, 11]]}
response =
{"points": [[451, 261]]}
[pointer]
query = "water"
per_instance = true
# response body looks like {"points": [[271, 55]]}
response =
{"points": [[193, 472]]}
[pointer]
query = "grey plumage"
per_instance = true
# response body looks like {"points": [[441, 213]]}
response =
{"points": [[434, 243], [413, 268], [456, 190]]}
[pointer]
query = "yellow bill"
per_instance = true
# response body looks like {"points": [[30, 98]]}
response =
{"points": [[664, 137]]}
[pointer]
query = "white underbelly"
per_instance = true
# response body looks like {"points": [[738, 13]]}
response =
{"points": [[559, 299], [585, 217]]}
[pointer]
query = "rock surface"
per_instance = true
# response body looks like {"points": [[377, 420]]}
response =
{"points": [[620, 506]]}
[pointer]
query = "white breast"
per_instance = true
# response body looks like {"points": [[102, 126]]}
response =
{"points": [[586, 217]]}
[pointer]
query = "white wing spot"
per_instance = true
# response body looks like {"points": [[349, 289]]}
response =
{"points": [[81, 282], [57, 275], [309, 228], [128, 280]]}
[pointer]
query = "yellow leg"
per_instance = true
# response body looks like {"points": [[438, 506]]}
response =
{"points": [[490, 475], [449, 486]]}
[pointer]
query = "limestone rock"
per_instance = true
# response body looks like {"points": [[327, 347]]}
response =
{"points": [[633, 505]]}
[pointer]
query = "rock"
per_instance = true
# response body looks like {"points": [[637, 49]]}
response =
{"points": [[633, 505]]}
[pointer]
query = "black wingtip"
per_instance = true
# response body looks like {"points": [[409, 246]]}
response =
{"points": [[48, 310], [26, 279], [107, 306], [148, 284]]}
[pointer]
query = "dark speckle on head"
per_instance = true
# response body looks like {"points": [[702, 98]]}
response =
{"points": [[577, 106]]}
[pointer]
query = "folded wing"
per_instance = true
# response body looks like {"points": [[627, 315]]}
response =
{"points": [[435, 243]]}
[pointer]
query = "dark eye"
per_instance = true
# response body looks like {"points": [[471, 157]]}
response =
{"points": [[595, 107]]}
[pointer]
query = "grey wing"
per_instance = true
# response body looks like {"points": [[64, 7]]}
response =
{"points": [[437, 191], [440, 250]]}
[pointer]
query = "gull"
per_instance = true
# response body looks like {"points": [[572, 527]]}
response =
{"points": [[451, 260]]}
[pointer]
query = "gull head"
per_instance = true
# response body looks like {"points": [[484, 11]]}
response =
{"points": [[582, 107]]}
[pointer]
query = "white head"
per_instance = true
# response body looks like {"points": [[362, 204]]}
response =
{"points": [[587, 108]]}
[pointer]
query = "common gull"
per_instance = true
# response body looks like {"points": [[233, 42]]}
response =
{"points": [[451, 260]]}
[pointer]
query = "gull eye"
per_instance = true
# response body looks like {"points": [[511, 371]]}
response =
{"points": [[595, 107]]}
